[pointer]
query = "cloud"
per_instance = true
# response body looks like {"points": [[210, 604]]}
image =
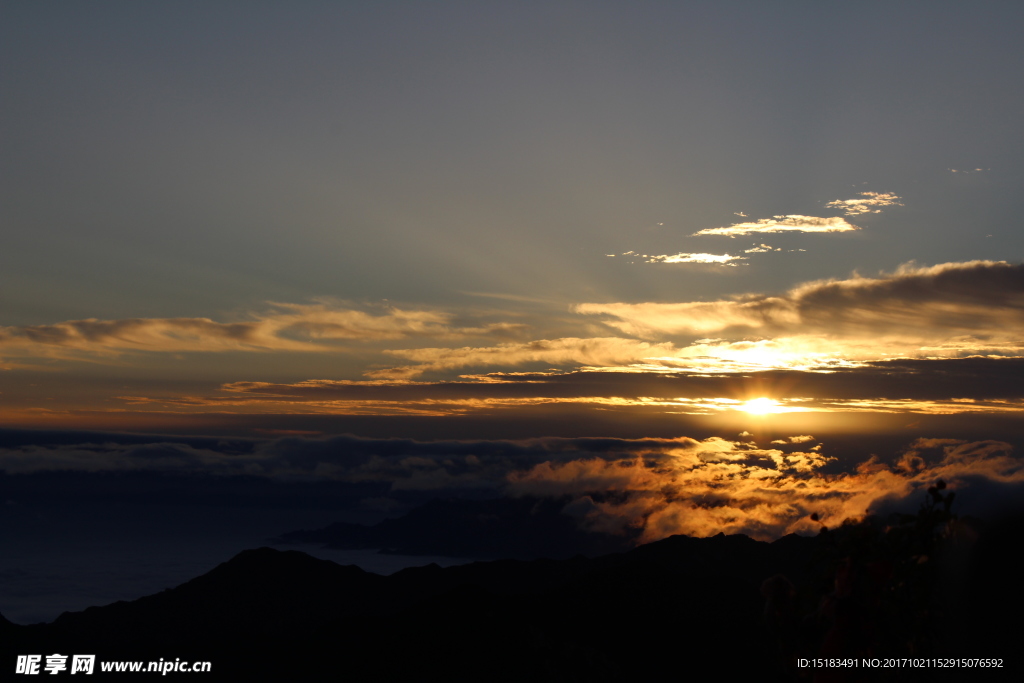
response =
{"points": [[955, 406], [951, 310], [405, 463], [871, 202], [681, 385], [868, 202], [607, 351], [146, 334], [789, 223], [428, 406], [718, 259], [287, 327], [805, 438], [660, 486], [703, 488], [945, 310]]}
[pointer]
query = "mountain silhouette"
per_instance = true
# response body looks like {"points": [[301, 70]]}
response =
{"points": [[728, 606], [522, 528]]}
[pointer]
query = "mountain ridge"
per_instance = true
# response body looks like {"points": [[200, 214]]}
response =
{"points": [[629, 614]]}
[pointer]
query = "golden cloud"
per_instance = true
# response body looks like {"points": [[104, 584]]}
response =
{"points": [[947, 310], [715, 259], [870, 202], [703, 488], [944, 310], [788, 223]]}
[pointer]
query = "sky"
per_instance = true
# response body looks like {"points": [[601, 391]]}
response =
{"points": [[737, 262]]}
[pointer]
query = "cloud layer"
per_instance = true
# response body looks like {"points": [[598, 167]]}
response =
{"points": [[950, 386], [600, 351], [703, 488], [943, 310], [660, 486], [287, 327]]}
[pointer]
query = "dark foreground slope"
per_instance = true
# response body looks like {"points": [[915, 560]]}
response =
{"points": [[675, 608]]}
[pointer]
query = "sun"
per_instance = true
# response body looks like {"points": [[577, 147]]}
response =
{"points": [[762, 406]]}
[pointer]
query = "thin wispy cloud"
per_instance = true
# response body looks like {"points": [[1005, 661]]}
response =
{"points": [[870, 202], [437, 406], [714, 259], [976, 379], [442, 405], [287, 327], [691, 381], [788, 223], [607, 351], [957, 406]]}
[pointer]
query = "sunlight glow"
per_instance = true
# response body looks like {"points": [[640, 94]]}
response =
{"points": [[762, 406]]}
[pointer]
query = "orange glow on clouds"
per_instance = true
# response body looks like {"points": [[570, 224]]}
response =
{"points": [[716, 485]]}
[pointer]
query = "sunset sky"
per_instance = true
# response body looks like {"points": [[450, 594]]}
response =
{"points": [[763, 253]]}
